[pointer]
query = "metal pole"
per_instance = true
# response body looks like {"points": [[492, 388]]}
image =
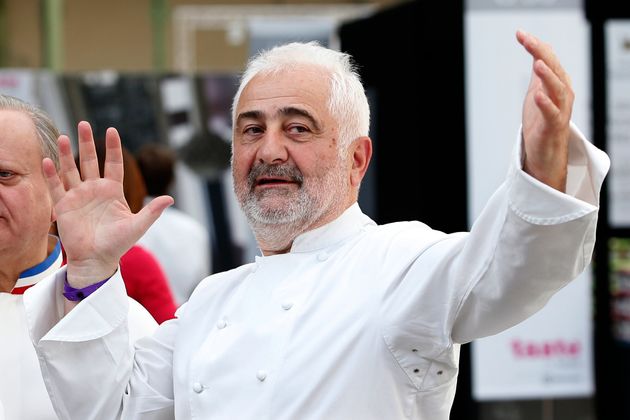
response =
{"points": [[547, 410], [53, 34]]}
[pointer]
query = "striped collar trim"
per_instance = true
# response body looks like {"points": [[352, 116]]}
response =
{"points": [[40, 271]]}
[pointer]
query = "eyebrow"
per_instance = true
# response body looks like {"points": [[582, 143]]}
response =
{"points": [[292, 111], [286, 111], [254, 115]]}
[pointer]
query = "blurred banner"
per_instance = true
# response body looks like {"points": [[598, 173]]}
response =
{"points": [[617, 35], [21, 83], [550, 354], [547, 356], [39, 87], [619, 266]]}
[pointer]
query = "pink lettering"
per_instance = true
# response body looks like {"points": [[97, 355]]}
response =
{"points": [[545, 349], [8, 82]]}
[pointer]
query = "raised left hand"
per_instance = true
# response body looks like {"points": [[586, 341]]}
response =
{"points": [[546, 115]]}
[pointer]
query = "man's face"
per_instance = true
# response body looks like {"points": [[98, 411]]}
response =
{"points": [[25, 203], [286, 164]]}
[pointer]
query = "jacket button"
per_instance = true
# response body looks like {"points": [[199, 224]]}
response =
{"points": [[197, 387], [261, 375]]}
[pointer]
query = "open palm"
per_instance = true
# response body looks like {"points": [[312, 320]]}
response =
{"points": [[94, 222]]}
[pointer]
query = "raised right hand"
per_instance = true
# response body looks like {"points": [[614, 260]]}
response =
{"points": [[94, 222]]}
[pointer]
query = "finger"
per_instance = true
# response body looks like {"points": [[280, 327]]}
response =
{"points": [[57, 191], [114, 168], [87, 152], [150, 213], [558, 91], [67, 168], [550, 111], [542, 51]]}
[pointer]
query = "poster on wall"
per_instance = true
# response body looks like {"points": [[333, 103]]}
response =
{"points": [[550, 354], [617, 36], [619, 265], [547, 356]]}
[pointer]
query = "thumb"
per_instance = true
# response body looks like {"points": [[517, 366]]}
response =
{"points": [[150, 213]]}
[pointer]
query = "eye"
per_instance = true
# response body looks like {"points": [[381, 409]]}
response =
{"points": [[298, 129], [252, 130], [6, 174]]}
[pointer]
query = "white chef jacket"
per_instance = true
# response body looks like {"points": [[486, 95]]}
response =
{"points": [[22, 391], [357, 321], [23, 394]]}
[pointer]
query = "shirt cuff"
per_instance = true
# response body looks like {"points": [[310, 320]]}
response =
{"points": [[94, 317], [541, 204]]}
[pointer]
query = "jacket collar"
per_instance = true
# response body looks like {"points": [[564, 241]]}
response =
{"points": [[34, 274], [348, 224]]}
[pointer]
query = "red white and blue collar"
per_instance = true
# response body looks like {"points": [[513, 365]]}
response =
{"points": [[40, 271]]}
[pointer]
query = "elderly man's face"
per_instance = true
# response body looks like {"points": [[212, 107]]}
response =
{"points": [[25, 204], [286, 163]]}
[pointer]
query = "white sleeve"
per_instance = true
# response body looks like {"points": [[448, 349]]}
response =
{"points": [[91, 368], [529, 242]]}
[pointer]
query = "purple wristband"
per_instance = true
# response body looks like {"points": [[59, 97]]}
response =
{"points": [[79, 294]]}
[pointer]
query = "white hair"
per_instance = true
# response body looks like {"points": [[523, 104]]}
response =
{"points": [[347, 101]]}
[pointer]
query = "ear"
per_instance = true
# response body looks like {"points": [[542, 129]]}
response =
{"points": [[361, 155]]}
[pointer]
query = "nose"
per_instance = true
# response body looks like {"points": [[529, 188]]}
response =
{"points": [[273, 148]]}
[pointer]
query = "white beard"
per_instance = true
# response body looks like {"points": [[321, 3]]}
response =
{"points": [[315, 198]]}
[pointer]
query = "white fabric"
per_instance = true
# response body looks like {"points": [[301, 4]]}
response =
{"points": [[182, 246], [22, 390], [358, 321], [23, 394]]}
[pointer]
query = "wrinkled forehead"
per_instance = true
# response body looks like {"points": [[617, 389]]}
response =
{"points": [[305, 87], [18, 134], [289, 81]]}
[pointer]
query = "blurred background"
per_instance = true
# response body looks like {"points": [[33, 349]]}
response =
{"points": [[445, 80]]}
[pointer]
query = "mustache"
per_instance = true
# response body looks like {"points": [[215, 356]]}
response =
{"points": [[280, 171]]}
